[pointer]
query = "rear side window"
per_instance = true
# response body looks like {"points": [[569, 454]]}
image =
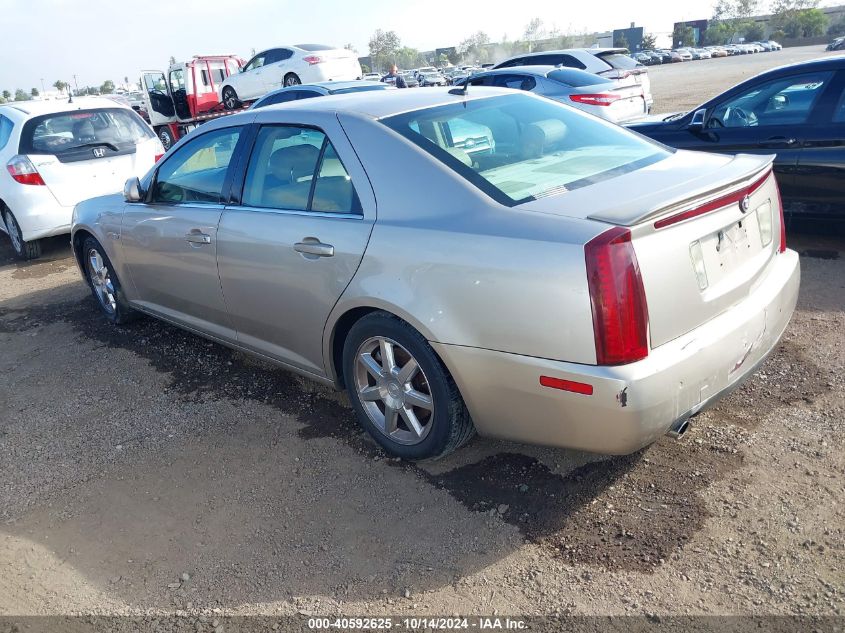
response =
{"points": [[297, 169], [72, 135], [6, 126], [619, 61], [577, 78], [554, 59]]}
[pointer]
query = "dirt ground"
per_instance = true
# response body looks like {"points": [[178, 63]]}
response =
{"points": [[145, 470]]}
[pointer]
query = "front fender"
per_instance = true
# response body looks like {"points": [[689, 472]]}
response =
{"points": [[100, 217]]}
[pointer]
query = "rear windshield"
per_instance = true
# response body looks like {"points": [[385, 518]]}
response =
{"points": [[518, 148], [619, 60], [115, 129], [577, 78], [315, 47]]}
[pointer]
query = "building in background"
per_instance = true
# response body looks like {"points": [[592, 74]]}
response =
{"points": [[630, 38]]}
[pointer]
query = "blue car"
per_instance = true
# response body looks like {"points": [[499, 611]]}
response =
{"points": [[322, 89]]}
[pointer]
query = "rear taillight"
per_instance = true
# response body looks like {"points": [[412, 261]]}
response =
{"points": [[601, 99], [620, 313], [782, 245], [23, 171], [313, 59]]}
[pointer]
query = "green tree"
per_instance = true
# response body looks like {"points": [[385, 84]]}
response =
{"points": [[21, 95], [34, 92], [798, 18], [837, 28], [108, 87], [384, 45], [470, 48], [754, 32], [649, 42], [683, 36], [60, 85], [718, 32], [7, 95]]}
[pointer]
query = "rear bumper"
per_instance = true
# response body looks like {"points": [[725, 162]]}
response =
{"points": [[631, 405], [39, 214]]}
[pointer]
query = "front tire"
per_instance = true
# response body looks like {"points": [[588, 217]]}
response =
{"points": [[403, 394], [23, 249], [104, 284], [230, 99], [291, 79], [166, 137]]}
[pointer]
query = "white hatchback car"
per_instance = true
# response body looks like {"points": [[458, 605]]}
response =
{"points": [[59, 153], [288, 66]]}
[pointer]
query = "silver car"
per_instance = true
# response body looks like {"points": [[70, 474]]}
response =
{"points": [[574, 284]]}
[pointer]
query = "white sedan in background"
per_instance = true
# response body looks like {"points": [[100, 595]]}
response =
{"points": [[288, 66], [59, 153]]}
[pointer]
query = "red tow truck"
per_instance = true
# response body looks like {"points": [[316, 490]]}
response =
{"points": [[187, 95]]}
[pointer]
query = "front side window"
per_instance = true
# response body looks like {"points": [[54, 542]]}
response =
{"points": [[196, 172], [784, 101], [516, 82], [838, 112], [255, 62], [518, 148], [296, 168]]}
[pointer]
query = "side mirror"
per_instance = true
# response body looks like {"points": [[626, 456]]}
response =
{"points": [[698, 118], [132, 190]]}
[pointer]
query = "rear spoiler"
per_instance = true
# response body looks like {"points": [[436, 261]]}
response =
{"points": [[747, 170]]}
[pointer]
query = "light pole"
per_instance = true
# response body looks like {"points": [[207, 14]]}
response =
{"points": [[42, 87], [75, 84]]}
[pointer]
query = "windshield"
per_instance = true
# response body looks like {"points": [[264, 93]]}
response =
{"points": [[620, 61], [518, 147], [63, 132]]}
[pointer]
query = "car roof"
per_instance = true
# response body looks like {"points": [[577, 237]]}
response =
{"points": [[541, 71], [385, 103], [39, 107], [835, 62]]}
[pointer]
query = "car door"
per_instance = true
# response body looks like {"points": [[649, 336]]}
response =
{"points": [[820, 176], [770, 117], [291, 245], [249, 83], [274, 77], [169, 240]]}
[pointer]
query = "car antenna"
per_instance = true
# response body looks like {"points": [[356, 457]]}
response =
{"points": [[462, 90]]}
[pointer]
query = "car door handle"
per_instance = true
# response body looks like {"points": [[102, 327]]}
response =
{"points": [[314, 248], [779, 140], [195, 237]]}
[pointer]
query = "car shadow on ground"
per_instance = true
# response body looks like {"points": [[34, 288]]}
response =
{"points": [[262, 486]]}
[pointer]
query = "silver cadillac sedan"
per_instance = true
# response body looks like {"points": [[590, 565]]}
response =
{"points": [[491, 261]]}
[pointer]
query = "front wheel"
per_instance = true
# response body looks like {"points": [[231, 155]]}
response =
{"points": [[401, 391], [166, 137], [230, 98], [291, 80], [101, 277], [23, 249]]}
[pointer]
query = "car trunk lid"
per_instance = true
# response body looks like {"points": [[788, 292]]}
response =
{"points": [[703, 242]]}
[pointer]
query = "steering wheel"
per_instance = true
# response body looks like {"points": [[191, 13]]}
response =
{"points": [[738, 114], [715, 122]]}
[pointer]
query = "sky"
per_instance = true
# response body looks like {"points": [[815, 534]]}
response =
{"points": [[111, 39]]}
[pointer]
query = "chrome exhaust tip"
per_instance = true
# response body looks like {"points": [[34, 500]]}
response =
{"points": [[678, 428]]}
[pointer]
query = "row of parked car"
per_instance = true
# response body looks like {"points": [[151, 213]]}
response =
{"points": [[686, 54]]}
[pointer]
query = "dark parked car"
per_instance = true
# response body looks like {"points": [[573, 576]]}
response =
{"points": [[796, 112], [837, 45], [321, 89]]}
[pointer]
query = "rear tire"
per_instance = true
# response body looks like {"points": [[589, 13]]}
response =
{"points": [[23, 249], [230, 99], [166, 137], [104, 284], [404, 396], [291, 79]]}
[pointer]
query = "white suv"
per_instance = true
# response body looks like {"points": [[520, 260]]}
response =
{"points": [[288, 66], [58, 153]]}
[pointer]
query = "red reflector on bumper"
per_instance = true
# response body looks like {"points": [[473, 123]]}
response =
{"points": [[567, 385]]}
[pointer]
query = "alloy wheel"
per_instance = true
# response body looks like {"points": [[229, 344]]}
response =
{"points": [[393, 390], [14, 232], [101, 280]]}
